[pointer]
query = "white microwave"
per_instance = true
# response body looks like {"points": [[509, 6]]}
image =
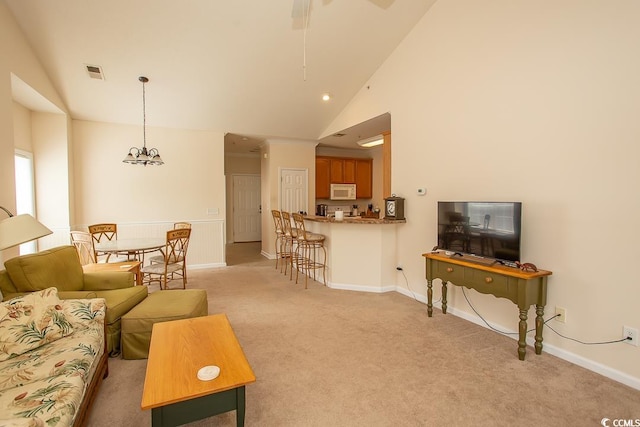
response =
{"points": [[343, 192]]}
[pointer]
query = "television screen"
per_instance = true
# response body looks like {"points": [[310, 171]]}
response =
{"points": [[485, 229]]}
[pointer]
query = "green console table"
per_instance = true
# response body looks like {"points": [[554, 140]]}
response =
{"points": [[523, 288]]}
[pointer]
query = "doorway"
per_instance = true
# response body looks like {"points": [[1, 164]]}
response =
{"points": [[293, 190], [247, 210]]}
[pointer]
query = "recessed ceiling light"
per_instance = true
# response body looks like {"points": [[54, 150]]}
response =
{"points": [[326, 97]]}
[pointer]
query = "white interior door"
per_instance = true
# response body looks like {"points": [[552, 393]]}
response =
{"points": [[293, 190], [246, 208]]}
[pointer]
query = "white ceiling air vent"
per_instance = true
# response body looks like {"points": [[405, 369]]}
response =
{"points": [[95, 72]]}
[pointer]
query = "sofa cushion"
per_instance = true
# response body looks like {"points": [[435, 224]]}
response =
{"points": [[75, 355], [49, 383], [6, 285], [120, 301], [57, 267], [55, 400], [31, 321]]}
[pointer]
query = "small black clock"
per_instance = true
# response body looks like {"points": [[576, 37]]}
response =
{"points": [[394, 207]]}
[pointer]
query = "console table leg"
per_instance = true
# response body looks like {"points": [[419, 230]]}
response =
{"points": [[539, 326], [429, 298], [522, 339], [444, 297]]}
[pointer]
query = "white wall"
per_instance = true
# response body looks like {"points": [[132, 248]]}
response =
{"points": [[190, 182], [18, 59], [52, 165], [22, 127], [278, 154], [535, 102]]}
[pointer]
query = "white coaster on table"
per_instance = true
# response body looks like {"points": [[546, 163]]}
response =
{"points": [[208, 373]]}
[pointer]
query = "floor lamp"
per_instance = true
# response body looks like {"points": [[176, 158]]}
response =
{"points": [[18, 229]]}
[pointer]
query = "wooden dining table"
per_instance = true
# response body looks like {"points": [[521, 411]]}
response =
{"points": [[132, 266], [133, 247]]}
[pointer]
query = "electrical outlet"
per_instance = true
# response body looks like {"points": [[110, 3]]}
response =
{"points": [[628, 332], [561, 315]]}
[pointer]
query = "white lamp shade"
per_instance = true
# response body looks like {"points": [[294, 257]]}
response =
{"points": [[19, 229]]}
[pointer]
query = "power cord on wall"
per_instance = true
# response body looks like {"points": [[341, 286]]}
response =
{"points": [[408, 286], [533, 329]]}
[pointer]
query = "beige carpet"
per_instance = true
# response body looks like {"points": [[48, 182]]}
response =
{"points": [[325, 357]]}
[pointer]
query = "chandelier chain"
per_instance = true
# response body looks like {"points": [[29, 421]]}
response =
{"points": [[144, 115]]}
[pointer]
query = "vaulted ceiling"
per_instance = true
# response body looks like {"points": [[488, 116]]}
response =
{"points": [[234, 66]]}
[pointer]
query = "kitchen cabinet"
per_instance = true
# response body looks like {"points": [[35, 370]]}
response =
{"points": [[323, 177], [364, 178], [337, 171], [342, 170], [349, 171]]}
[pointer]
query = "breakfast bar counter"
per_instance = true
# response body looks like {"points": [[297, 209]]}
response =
{"points": [[354, 220], [361, 252]]}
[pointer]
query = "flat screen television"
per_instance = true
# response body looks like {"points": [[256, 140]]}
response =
{"points": [[483, 229]]}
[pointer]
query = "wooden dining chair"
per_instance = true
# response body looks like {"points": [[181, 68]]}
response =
{"points": [[160, 258], [101, 232], [84, 245], [175, 260], [181, 224]]}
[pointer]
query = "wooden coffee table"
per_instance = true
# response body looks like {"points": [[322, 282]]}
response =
{"points": [[178, 350]]}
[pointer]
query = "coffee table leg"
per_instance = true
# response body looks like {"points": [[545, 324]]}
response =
{"points": [[240, 409]]}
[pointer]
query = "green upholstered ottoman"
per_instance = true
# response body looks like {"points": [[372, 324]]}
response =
{"points": [[159, 306]]}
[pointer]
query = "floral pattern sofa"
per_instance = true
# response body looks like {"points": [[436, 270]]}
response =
{"points": [[52, 358]]}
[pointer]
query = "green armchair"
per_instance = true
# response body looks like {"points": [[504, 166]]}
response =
{"points": [[60, 267]]}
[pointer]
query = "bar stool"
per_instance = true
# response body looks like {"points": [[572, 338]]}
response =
{"points": [[309, 245], [290, 240], [277, 222]]}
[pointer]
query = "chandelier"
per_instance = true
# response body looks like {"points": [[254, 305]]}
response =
{"points": [[142, 156]]}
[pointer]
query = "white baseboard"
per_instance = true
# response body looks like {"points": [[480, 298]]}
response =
{"points": [[408, 293], [348, 287], [267, 255], [203, 266]]}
